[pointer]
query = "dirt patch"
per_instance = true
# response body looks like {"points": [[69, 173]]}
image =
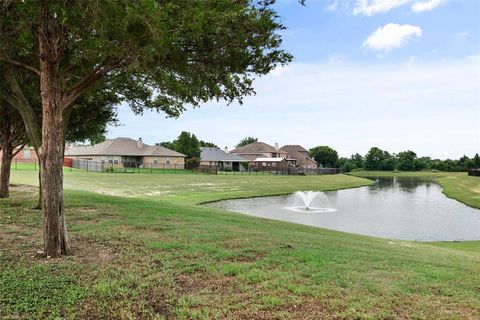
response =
{"points": [[248, 257], [25, 243], [21, 191], [88, 251]]}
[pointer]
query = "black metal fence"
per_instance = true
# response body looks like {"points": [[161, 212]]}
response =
{"points": [[101, 166], [253, 170], [474, 172]]}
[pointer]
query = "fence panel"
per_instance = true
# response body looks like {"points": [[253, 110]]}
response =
{"points": [[88, 165], [474, 172]]}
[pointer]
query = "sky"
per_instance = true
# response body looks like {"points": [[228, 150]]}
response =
{"points": [[396, 74]]}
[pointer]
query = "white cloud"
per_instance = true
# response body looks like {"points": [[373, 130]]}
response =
{"points": [[333, 5], [341, 5], [391, 36], [371, 7], [278, 71], [421, 6], [462, 35], [410, 61], [337, 57]]}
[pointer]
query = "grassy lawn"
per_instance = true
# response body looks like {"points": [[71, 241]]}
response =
{"points": [[145, 250], [192, 188], [456, 185]]}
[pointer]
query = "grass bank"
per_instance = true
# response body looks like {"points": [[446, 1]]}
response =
{"points": [[456, 185], [160, 256]]}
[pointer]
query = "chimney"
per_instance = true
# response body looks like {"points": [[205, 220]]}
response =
{"points": [[276, 146], [226, 149], [139, 143]]}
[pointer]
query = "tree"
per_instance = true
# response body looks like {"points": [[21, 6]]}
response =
{"points": [[208, 144], [324, 155], [166, 144], [423, 163], [90, 117], [154, 54], [406, 161], [374, 158], [358, 161], [476, 161], [245, 141], [345, 164], [187, 143], [13, 138]]}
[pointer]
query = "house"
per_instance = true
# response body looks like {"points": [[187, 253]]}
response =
{"points": [[27, 154], [301, 156], [271, 164], [221, 159], [126, 152], [256, 150]]}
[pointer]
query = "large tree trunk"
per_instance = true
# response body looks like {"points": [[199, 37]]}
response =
{"points": [[5, 171], [39, 202], [51, 153]]}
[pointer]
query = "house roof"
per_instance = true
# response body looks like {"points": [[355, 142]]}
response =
{"points": [[215, 154], [269, 159], [122, 147], [290, 148], [256, 147], [299, 153]]}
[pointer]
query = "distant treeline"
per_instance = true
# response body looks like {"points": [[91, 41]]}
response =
{"points": [[377, 159]]}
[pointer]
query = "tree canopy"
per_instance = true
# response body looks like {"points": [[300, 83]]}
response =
{"points": [[324, 155], [161, 55], [188, 144], [245, 141], [207, 144]]}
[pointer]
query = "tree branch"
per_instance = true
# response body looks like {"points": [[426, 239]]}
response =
{"points": [[21, 64], [19, 102], [18, 148], [71, 95]]}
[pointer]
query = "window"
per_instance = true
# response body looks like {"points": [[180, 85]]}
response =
{"points": [[167, 161], [264, 164], [26, 154], [110, 161], [115, 161], [274, 164], [155, 161]]}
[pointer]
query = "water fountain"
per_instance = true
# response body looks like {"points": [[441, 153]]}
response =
{"points": [[311, 201]]}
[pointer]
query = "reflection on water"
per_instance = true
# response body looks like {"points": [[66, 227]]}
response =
{"points": [[396, 208]]}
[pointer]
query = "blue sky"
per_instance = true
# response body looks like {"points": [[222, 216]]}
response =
{"points": [[397, 74]]}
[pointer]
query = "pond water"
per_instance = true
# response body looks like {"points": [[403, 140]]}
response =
{"points": [[395, 208]]}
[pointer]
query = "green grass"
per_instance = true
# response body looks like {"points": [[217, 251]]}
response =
{"points": [[193, 188], [141, 255], [464, 188], [456, 185]]}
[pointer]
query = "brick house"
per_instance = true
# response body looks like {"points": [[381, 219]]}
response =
{"points": [[126, 152]]}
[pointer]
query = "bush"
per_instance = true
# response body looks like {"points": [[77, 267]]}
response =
{"points": [[192, 162]]}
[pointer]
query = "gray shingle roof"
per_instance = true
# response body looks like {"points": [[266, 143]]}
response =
{"points": [[122, 147], [215, 154]]}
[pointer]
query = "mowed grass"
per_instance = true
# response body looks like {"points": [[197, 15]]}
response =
{"points": [[161, 256], [192, 188], [456, 185]]}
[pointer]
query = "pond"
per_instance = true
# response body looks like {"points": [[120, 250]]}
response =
{"points": [[395, 208]]}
